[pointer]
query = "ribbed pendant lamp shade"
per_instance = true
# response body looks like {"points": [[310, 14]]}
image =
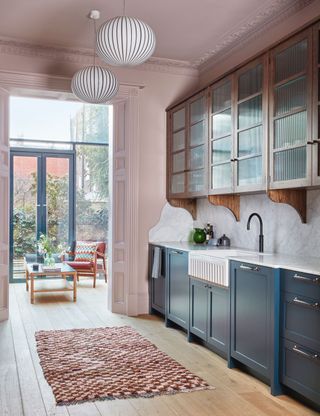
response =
{"points": [[94, 85], [125, 41]]}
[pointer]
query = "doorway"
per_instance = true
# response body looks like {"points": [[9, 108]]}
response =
{"points": [[41, 202]]}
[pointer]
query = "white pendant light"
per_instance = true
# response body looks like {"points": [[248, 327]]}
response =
{"points": [[94, 84], [125, 41]]}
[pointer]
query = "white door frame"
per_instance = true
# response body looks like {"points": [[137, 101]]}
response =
{"points": [[124, 186]]}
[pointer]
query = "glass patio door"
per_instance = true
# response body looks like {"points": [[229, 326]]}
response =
{"points": [[42, 201]]}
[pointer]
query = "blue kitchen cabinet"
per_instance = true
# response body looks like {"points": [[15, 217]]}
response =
{"points": [[209, 314], [177, 288], [157, 291], [254, 321], [300, 334]]}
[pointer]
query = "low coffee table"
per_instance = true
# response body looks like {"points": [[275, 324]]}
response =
{"points": [[64, 272]]}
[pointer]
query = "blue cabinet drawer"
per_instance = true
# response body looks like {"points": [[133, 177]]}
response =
{"points": [[300, 370], [301, 320], [301, 283]]}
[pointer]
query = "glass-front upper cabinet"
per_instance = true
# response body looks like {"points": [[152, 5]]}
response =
{"points": [[290, 113], [316, 107], [221, 137], [251, 126], [187, 148]]}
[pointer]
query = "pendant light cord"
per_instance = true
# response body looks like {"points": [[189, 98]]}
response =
{"points": [[95, 43], [124, 8]]}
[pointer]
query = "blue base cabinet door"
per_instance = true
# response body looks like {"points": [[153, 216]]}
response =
{"points": [[198, 308], [177, 287], [255, 320], [218, 317]]}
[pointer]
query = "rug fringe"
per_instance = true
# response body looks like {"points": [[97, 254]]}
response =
{"points": [[136, 396]]}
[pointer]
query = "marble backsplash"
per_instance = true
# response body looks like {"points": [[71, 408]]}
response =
{"points": [[284, 233]]}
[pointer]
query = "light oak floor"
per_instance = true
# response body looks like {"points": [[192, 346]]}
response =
{"points": [[24, 391]]}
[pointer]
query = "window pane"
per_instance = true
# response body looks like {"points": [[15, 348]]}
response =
{"points": [[291, 96], [221, 124], [221, 150], [179, 119], [197, 110], [250, 141], [197, 157], [196, 181], [291, 61], [250, 171], [197, 133], [290, 164], [57, 120], [290, 130], [221, 176], [92, 197], [178, 162], [250, 112], [178, 140], [221, 97], [57, 188], [250, 82], [177, 183]]}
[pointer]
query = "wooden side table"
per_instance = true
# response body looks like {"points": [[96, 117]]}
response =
{"points": [[64, 272]]}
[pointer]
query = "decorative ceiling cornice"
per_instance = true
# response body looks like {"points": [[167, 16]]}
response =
{"points": [[255, 25], [83, 57]]}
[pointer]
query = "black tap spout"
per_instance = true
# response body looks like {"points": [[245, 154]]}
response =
{"points": [[261, 238]]}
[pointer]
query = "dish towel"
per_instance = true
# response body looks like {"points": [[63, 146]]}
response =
{"points": [[156, 266]]}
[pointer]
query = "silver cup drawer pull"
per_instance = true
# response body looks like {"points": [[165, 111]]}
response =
{"points": [[252, 268], [315, 280], [314, 305], [305, 353]]}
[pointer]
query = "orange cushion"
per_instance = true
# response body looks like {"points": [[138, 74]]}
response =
{"points": [[80, 265]]}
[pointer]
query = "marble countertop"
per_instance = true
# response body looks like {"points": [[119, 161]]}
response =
{"points": [[302, 264]]}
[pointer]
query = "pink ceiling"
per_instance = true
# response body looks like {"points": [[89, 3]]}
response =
{"points": [[185, 29]]}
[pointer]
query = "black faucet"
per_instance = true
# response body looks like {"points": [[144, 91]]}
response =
{"points": [[261, 229]]}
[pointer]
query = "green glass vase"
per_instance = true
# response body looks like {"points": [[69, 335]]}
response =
{"points": [[199, 236]]}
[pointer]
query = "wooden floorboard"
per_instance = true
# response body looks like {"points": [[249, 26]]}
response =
{"points": [[24, 391]]}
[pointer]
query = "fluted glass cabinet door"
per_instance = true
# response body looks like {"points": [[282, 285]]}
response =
{"points": [[316, 107], [290, 122], [197, 146], [221, 138], [178, 152], [250, 126]]}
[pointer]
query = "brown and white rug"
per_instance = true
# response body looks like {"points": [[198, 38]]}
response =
{"points": [[109, 363]]}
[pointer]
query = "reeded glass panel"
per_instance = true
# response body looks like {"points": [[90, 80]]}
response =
{"points": [[196, 181], [250, 112], [250, 82], [290, 164], [178, 140], [291, 96], [221, 150], [291, 130], [179, 119], [197, 133], [221, 176], [221, 124], [250, 141], [177, 183], [250, 171], [197, 157], [291, 61], [197, 110], [178, 162], [221, 97]]}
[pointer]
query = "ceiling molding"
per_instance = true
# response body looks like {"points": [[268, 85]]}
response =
{"points": [[83, 57], [254, 26]]}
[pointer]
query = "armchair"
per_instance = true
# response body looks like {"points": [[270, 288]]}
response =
{"points": [[84, 256]]}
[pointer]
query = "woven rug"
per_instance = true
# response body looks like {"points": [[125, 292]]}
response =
{"points": [[109, 363]]}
